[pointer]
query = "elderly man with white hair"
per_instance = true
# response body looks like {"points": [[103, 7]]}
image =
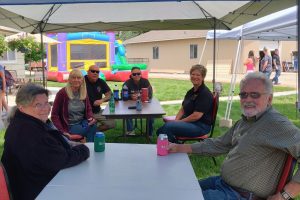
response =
{"points": [[256, 147]]}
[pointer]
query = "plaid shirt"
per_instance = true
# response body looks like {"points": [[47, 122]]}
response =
{"points": [[256, 152]]}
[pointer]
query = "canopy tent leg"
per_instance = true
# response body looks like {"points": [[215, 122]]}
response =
{"points": [[226, 121], [298, 56], [204, 47]]}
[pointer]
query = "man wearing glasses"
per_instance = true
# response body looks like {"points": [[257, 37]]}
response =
{"points": [[96, 87], [135, 84], [256, 147]]}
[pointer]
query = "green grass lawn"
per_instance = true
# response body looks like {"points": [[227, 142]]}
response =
{"points": [[170, 89], [166, 89]]}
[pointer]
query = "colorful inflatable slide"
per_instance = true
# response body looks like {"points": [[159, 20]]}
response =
{"points": [[81, 50]]}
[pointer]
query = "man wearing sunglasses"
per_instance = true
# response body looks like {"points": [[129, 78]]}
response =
{"points": [[256, 147], [96, 88], [135, 84]]}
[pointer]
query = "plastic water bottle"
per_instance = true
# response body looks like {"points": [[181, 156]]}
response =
{"points": [[99, 142], [139, 105], [116, 93], [162, 145], [111, 104], [125, 94]]}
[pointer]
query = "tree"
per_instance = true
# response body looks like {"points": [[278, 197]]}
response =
{"points": [[3, 45], [125, 35], [28, 46]]}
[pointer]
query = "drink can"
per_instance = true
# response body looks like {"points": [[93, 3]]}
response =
{"points": [[144, 94], [162, 145], [99, 142]]}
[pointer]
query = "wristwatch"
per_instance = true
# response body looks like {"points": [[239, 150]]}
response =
{"points": [[285, 195]]}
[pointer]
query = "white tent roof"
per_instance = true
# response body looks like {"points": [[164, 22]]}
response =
{"points": [[98, 15], [281, 26]]}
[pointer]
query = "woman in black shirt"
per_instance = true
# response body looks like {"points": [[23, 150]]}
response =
{"points": [[194, 117]]}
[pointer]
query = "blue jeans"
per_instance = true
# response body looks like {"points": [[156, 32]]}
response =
{"points": [[267, 74], [215, 188], [183, 129], [277, 74], [88, 132], [129, 125]]}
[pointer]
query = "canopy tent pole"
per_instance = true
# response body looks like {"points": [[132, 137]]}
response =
{"points": [[226, 122], [42, 56], [204, 47], [298, 56], [214, 56]]}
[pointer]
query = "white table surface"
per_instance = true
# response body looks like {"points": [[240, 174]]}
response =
{"points": [[126, 172]]}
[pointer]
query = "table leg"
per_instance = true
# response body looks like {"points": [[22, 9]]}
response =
{"points": [[147, 129], [124, 131]]}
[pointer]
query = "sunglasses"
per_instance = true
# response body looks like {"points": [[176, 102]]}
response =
{"points": [[253, 95], [94, 71], [136, 74]]}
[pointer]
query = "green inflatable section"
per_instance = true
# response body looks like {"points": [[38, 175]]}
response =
{"points": [[123, 67]]}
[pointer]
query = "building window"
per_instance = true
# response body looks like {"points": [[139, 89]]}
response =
{"points": [[8, 56], [193, 51], [155, 52]]}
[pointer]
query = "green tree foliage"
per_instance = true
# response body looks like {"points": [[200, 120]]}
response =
{"points": [[29, 46], [125, 35], [3, 45]]}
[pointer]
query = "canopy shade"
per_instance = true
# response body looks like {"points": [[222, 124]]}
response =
{"points": [[95, 15], [281, 26]]}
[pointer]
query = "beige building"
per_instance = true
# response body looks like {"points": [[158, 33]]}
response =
{"points": [[176, 51]]}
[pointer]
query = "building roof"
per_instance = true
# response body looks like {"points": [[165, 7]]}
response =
{"points": [[5, 31], [154, 36]]}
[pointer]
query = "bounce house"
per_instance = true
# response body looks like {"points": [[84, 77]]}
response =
{"points": [[81, 50]]}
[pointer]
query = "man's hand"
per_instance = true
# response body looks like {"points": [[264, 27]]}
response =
{"points": [[277, 196], [179, 148], [98, 102], [91, 121]]}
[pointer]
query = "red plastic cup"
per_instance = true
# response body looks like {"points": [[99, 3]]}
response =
{"points": [[144, 94]]}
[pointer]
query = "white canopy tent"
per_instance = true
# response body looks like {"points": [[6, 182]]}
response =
{"points": [[279, 26], [38, 16]]}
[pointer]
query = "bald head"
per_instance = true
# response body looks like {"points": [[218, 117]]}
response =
{"points": [[93, 73]]}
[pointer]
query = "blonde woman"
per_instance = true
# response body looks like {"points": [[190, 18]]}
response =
{"points": [[72, 112]]}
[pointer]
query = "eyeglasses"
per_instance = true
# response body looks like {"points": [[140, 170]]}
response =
{"points": [[40, 106], [136, 74], [94, 71], [253, 95]]}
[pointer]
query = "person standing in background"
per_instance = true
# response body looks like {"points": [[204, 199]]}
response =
{"points": [[3, 89], [250, 62], [277, 66], [266, 63]]}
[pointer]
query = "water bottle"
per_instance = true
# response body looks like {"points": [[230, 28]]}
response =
{"points": [[99, 142], [162, 145], [116, 93], [111, 104], [139, 105], [125, 93]]}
